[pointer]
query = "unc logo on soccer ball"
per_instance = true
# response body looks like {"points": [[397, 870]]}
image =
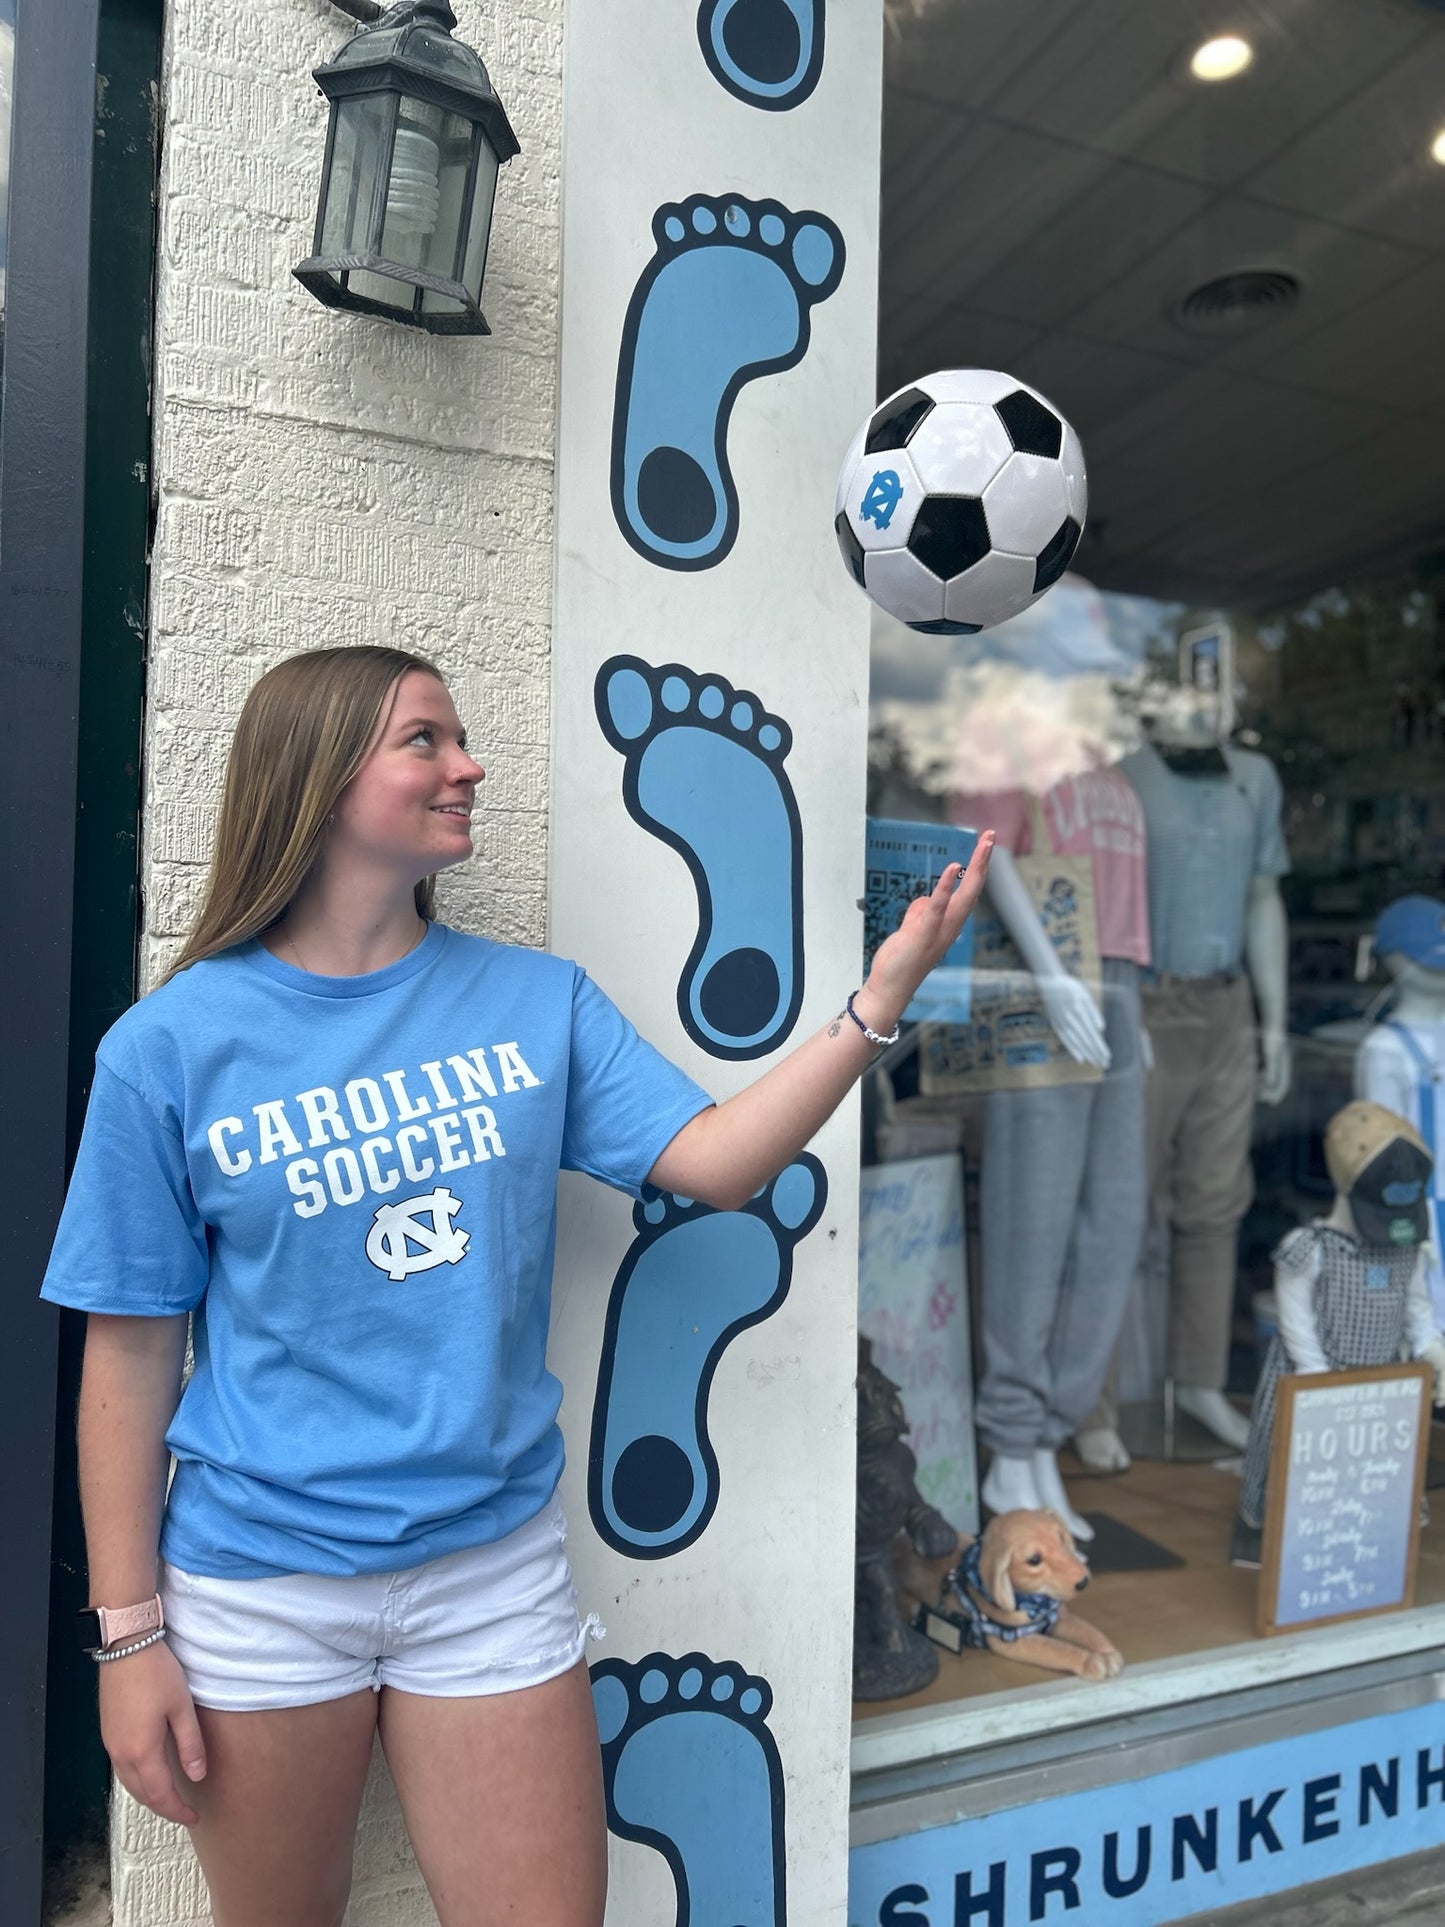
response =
{"points": [[961, 499]]}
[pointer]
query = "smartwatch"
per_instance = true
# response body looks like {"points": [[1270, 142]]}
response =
{"points": [[100, 1627]]}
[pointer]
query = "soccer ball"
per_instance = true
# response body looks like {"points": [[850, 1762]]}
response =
{"points": [[961, 499]]}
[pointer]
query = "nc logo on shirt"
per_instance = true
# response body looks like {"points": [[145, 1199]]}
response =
{"points": [[424, 1223]]}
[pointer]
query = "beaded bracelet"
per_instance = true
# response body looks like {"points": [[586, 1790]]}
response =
{"points": [[872, 1035], [124, 1652]]}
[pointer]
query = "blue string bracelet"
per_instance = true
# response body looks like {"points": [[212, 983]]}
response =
{"points": [[882, 1043]]}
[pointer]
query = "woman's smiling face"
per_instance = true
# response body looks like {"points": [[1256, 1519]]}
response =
{"points": [[409, 806]]}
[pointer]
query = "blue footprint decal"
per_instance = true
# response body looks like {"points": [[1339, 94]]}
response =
{"points": [[692, 1279], [690, 1768], [704, 772], [727, 296], [766, 52]]}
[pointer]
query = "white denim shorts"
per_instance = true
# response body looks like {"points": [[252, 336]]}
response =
{"points": [[489, 1619]]}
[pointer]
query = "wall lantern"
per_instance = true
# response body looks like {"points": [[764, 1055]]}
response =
{"points": [[416, 139]]}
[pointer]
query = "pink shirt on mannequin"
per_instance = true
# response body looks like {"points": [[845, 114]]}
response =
{"points": [[1095, 814]]}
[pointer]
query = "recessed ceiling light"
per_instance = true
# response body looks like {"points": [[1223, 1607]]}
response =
{"points": [[1234, 303], [1221, 58], [1437, 147]]}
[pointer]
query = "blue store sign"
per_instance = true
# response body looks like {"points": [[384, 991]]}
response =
{"points": [[1148, 1852]]}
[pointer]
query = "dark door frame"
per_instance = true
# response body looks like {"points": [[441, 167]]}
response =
{"points": [[42, 472], [107, 821]]}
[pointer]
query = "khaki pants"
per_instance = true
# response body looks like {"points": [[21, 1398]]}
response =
{"points": [[1201, 1100]]}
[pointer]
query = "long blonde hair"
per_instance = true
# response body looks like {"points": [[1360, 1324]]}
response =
{"points": [[303, 733]]}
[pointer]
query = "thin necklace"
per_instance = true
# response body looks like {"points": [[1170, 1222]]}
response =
{"points": [[301, 961]]}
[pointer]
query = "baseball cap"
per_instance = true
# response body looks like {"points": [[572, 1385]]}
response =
{"points": [[1378, 1161], [1415, 926]]}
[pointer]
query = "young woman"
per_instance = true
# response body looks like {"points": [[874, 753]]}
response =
{"points": [[332, 1137]]}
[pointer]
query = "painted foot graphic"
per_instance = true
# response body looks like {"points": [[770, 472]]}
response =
{"points": [[727, 296], [705, 773], [766, 52], [690, 1768], [693, 1278]]}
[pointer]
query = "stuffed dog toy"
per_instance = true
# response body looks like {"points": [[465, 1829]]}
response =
{"points": [[1007, 1594]]}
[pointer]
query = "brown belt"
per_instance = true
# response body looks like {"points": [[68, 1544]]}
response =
{"points": [[1168, 980]]}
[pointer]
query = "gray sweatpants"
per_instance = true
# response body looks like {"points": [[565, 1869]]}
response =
{"points": [[1061, 1219]]}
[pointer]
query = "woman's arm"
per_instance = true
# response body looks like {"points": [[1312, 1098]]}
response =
{"points": [[725, 1154], [128, 1394]]}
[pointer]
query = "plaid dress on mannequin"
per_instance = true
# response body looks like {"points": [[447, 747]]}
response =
{"points": [[1359, 1297]]}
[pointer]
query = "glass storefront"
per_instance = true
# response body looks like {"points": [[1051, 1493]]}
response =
{"points": [[1103, 1209]]}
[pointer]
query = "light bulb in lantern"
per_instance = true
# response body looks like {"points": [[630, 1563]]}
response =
{"points": [[413, 194]]}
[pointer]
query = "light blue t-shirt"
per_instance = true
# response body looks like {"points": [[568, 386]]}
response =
{"points": [[1208, 836], [352, 1182]]}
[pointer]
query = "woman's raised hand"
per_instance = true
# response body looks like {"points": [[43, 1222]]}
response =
{"points": [[725, 1153], [929, 929], [144, 1701]]}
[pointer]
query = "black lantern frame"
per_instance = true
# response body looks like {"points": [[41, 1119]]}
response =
{"points": [[395, 236]]}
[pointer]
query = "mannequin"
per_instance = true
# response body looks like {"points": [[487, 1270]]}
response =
{"points": [[1401, 1063], [1215, 1009], [1350, 1287], [1063, 1199]]}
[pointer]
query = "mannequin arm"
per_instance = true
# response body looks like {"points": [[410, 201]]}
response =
{"points": [[1067, 1003], [1381, 1076], [1422, 1333], [1294, 1295], [1266, 953]]}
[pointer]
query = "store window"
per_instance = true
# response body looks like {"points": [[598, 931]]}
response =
{"points": [[1214, 757]]}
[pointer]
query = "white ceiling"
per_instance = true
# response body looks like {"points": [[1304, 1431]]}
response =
{"points": [[1053, 184]]}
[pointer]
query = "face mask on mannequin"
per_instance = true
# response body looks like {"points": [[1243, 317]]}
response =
{"points": [[1381, 1173], [1388, 1199]]}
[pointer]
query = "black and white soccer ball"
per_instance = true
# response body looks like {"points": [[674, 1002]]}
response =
{"points": [[961, 499]]}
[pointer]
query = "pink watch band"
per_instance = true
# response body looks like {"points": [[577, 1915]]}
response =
{"points": [[119, 1623]]}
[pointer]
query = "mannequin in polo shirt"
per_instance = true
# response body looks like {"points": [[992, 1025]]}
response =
{"points": [[1401, 1063], [1215, 1012]]}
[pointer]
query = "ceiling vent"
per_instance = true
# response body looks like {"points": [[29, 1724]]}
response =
{"points": [[1235, 304]]}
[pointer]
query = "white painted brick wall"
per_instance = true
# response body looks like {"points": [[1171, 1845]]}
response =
{"points": [[324, 478]]}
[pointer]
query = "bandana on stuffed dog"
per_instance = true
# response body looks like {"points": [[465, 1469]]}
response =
{"points": [[966, 1583]]}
